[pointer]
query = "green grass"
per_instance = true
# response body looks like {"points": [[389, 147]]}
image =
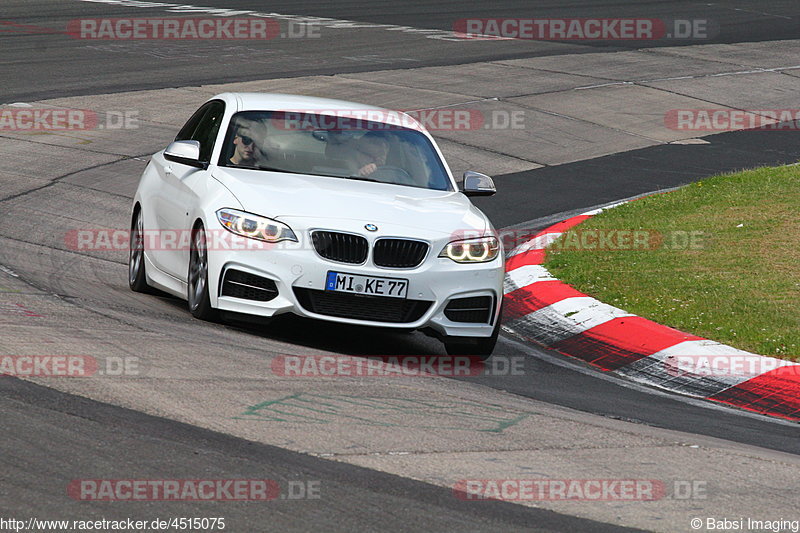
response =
{"points": [[740, 282]]}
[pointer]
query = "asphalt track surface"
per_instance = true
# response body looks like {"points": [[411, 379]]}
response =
{"points": [[48, 65], [574, 186], [86, 436]]}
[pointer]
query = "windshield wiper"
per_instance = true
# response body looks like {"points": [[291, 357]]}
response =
{"points": [[273, 169], [362, 178], [261, 167]]}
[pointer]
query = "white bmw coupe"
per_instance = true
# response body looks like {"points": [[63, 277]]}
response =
{"points": [[270, 203]]}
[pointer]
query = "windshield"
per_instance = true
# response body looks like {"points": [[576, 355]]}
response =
{"points": [[325, 145]]}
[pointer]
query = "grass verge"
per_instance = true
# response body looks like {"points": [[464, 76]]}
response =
{"points": [[719, 258]]}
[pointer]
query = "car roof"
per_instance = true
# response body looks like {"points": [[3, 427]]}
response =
{"points": [[311, 104], [279, 102]]}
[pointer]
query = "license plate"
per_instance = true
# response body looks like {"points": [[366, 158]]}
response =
{"points": [[366, 285]]}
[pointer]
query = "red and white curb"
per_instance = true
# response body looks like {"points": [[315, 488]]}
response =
{"points": [[541, 308]]}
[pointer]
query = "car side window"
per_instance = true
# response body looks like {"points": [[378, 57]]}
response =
{"points": [[203, 127], [187, 131], [207, 129]]}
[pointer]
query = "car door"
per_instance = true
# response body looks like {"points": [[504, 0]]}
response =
{"points": [[176, 196]]}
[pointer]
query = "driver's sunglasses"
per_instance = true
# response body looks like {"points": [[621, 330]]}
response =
{"points": [[247, 141]]}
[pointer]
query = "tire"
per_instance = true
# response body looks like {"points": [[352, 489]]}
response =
{"points": [[481, 347], [197, 278], [137, 278]]}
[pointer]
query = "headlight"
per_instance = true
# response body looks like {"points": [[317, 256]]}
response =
{"points": [[480, 250], [254, 226]]}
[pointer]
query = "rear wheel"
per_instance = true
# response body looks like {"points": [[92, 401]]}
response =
{"points": [[199, 301], [137, 279]]}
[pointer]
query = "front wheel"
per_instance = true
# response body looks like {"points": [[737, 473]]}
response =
{"points": [[481, 347], [137, 278], [199, 301]]}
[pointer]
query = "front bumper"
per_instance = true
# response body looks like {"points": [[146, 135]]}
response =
{"points": [[289, 265]]}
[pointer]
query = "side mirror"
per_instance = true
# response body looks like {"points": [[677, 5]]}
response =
{"points": [[477, 184], [185, 153]]}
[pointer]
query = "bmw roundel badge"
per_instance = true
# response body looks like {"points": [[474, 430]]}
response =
{"points": [[371, 227]]}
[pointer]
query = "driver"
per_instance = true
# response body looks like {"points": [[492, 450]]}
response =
{"points": [[252, 143], [370, 153], [244, 147]]}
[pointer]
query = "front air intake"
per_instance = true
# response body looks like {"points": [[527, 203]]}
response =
{"points": [[359, 307], [238, 284], [477, 309]]}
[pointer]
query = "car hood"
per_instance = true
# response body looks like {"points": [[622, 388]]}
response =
{"points": [[292, 196]]}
